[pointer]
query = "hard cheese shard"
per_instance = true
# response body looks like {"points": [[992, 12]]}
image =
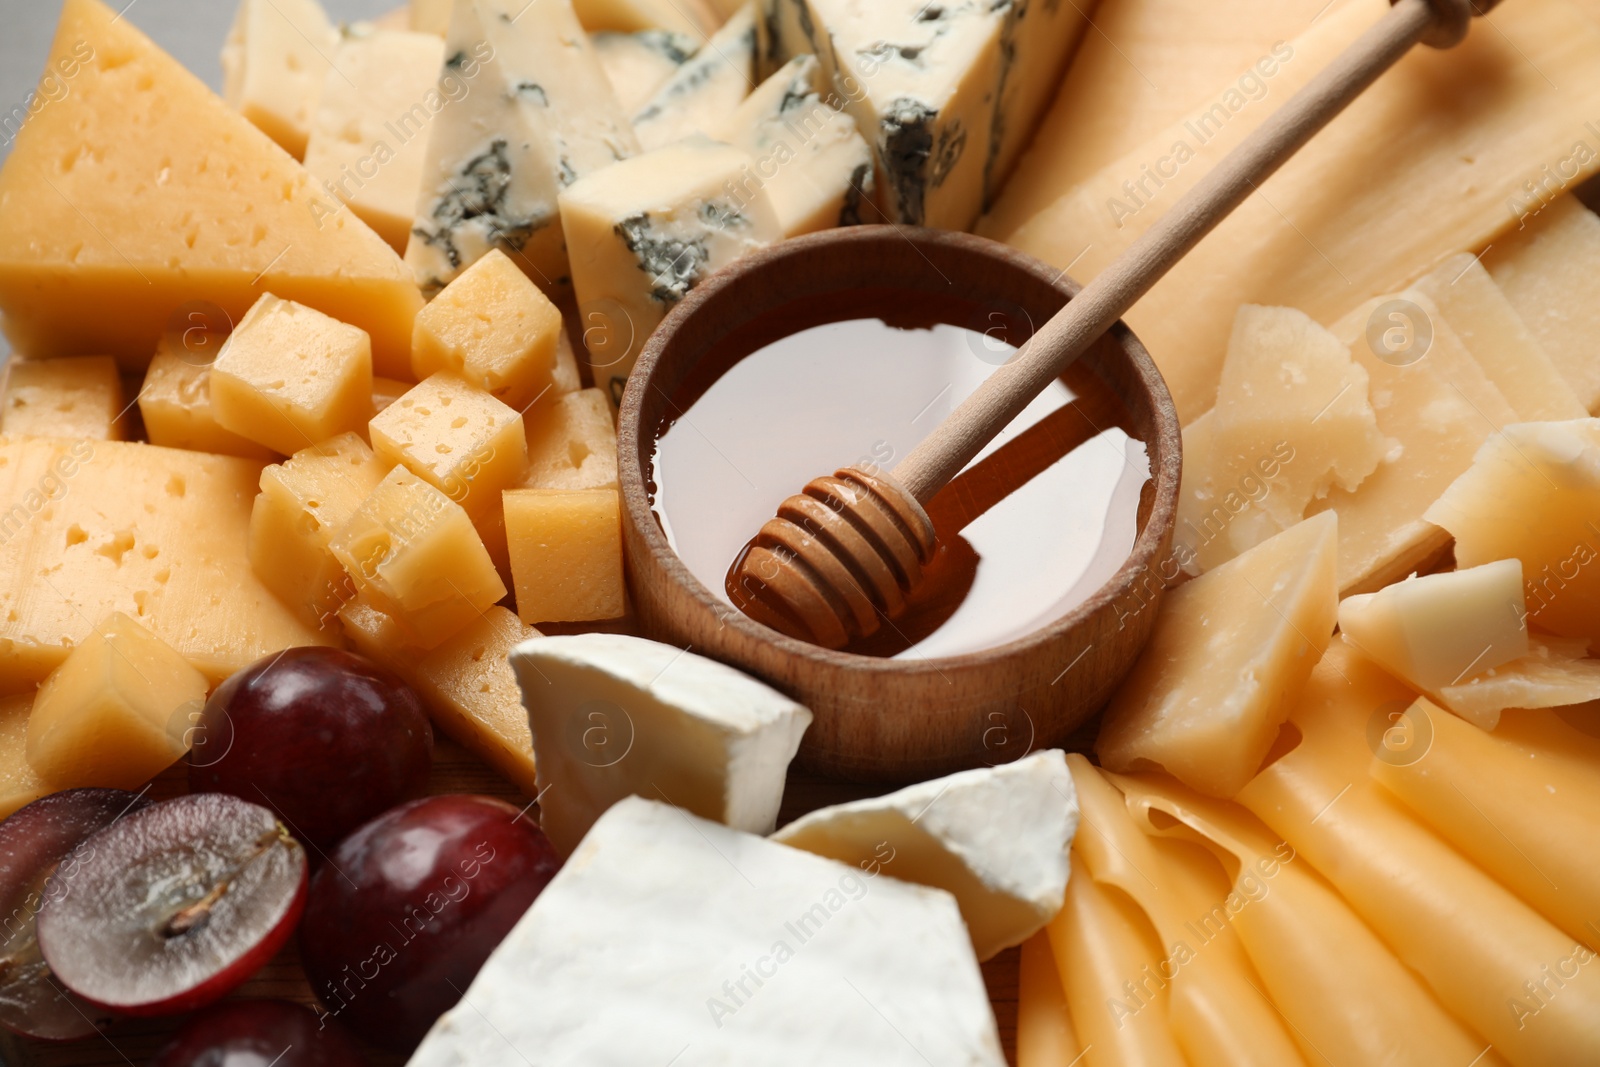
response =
{"points": [[540, 115], [1553, 674], [616, 716], [996, 839], [1229, 652], [140, 192], [273, 64], [669, 936], [705, 90]]}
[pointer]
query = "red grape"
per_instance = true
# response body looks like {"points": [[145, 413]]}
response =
{"points": [[250, 1033]]}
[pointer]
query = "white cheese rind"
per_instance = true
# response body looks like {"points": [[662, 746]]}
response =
{"points": [[705, 90], [616, 716], [667, 939], [995, 838]]}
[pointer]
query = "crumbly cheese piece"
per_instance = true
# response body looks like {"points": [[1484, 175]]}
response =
{"points": [[572, 444], [777, 958], [690, 18], [1230, 651], [175, 399], [540, 116], [705, 90], [809, 156], [995, 838], [616, 716], [142, 195], [1441, 629], [1555, 673], [74, 397], [369, 137], [645, 232], [273, 64], [458, 439], [565, 550], [637, 64], [20, 784]]}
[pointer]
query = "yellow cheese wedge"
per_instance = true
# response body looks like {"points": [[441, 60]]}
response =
{"points": [[92, 527], [1321, 234], [1045, 1037], [116, 712], [175, 400], [566, 553], [466, 683], [458, 439], [79, 397], [1553, 674], [1548, 269], [140, 192], [1230, 651], [273, 64], [19, 783], [572, 444]]}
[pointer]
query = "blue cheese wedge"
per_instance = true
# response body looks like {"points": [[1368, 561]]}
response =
{"points": [[637, 64], [707, 89], [273, 63], [616, 716], [809, 156], [670, 940], [995, 838], [539, 116], [645, 232]]}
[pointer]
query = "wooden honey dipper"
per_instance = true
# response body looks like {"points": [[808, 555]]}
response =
{"points": [[846, 552]]}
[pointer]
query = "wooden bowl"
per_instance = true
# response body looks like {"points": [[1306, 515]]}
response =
{"points": [[899, 720]]}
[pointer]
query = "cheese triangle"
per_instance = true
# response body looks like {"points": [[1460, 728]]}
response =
{"points": [[140, 192]]}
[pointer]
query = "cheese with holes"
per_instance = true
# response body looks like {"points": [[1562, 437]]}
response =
{"points": [[1554, 673], [565, 547], [540, 116], [466, 682], [92, 527], [616, 716], [645, 232], [458, 439], [704, 91], [493, 327], [116, 712], [572, 444], [996, 839], [369, 137], [637, 64], [692, 18], [1441, 629], [771, 941], [1548, 268], [1228, 657], [273, 64], [78, 397], [140, 194], [20, 784], [175, 399], [808, 155]]}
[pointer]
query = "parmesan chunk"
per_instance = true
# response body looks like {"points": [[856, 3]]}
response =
{"points": [[1553, 674]]}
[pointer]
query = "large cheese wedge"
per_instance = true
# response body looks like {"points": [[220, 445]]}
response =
{"points": [[703, 92], [1045, 1037], [616, 716], [92, 527], [767, 941], [1321, 234], [995, 838], [1230, 651], [79, 397], [1553, 674], [140, 192]]}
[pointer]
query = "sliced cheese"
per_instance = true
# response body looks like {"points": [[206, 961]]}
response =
{"points": [[140, 193], [1045, 1036], [1229, 653], [540, 116], [273, 64], [995, 838], [637, 64], [617, 716], [1552, 674], [768, 941], [80, 397], [20, 784], [703, 92]]}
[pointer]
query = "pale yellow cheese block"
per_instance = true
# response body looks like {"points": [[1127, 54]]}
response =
{"points": [[1045, 1037], [175, 399], [140, 192], [1550, 271], [19, 783], [1554, 673], [117, 712], [1230, 651], [466, 683], [566, 554], [696, 18], [273, 63], [78, 397], [386, 391], [92, 527], [572, 444], [1322, 234], [457, 438], [430, 16]]}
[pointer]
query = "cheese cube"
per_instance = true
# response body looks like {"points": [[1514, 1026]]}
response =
{"points": [[566, 554], [413, 551], [1553, 674], [75, 397], [1530, 495], [273, 64], [458, 439], [1442, 629], [369, 137], [466, 683], [996, 839], [572, 444], [493, 327], [705, 90], [772, 957], [116, 712], [303, 502], [616, 716], [566, 378], [1230, 652], [691, 18], [809, 156], [540, 116], [385, 391], [175, 400], [20, 784], [637, 64], [646, 231], [291, 377]]}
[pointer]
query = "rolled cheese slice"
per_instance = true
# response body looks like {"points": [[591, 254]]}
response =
{"points": [[1045, 1037]]}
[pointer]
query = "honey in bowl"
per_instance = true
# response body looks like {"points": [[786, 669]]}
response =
{"points": [[1044, 516]]}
